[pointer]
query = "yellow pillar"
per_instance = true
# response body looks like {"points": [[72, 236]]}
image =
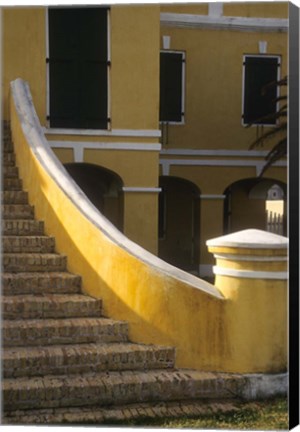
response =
{"points": [[251, 273], [211, 225], [141, 216]]}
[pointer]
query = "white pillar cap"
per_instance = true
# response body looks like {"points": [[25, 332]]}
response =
{"points": [[250, 239]]}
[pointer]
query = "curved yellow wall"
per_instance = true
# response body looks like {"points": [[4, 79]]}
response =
{"points": [[210, 332]]}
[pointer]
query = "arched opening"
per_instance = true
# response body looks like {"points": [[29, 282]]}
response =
{"points": [[103, 188], [255, 203], [179, 223]]}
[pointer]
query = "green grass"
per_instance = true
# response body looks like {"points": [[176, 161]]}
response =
{"points": [[258, 415]]}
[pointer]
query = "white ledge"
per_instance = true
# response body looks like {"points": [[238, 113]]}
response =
{"points": [[224, 22], [36, 140], [103, 132], [249, 274]]}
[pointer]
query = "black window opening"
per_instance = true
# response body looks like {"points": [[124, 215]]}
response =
{"points": [[259, 101], [78, 67], [171, 87]]}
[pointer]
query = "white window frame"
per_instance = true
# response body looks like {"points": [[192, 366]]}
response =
{"points": [[47, 49], [243, 85], [182, 122]]}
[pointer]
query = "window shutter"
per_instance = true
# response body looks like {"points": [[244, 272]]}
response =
{"points": [[78, 67], [259, 102], [171, 87]]}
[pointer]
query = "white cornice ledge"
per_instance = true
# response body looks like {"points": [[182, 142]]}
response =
{"points": [[224, 22]]}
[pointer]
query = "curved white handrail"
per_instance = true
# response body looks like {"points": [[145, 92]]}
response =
{"points": [[39, 145]]}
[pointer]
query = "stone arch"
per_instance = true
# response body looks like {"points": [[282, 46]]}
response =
{"points": [[103, 187], [179, 223]]}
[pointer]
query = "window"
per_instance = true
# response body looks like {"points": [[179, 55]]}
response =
{"points": [[171, 86], [259, 101], [78, 67]]}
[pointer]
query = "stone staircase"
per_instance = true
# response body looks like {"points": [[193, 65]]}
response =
{"points": [[62, 361]]}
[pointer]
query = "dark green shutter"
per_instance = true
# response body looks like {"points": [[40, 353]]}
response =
{"points": [[260, 102], [171, 87], [78, 67]]}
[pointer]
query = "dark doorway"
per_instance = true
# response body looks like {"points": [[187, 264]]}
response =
{"points": [[78, 67], [179, 223], [103, 188], [245, 205]]}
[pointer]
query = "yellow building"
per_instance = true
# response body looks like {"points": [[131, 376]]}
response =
{"points": [[147, 108]]}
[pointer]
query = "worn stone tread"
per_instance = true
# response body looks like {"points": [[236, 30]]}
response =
{"points": [[50, 306], [14, 197], [115, 388], [34, 332], [9, 184], [115, 415], [17, 211], [40, 282], [22, 227], [10, 171], [31, 262], [28, 244], [83, 358]]}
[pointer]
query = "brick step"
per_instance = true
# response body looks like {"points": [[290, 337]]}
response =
{"points": [[22, 227], [8, 159], [32, 244], [10, 172], [40, 283], [115, 388], [7, 145], [84, 358], [50, 306], [33, 262], [10, 184], [62, 331], [17, 211], [14, 197], [123, 413]]}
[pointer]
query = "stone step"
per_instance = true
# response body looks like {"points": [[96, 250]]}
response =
{"points": [[10, 172], [62, 331], [31, 244], [22, 227], [122, 413], [7, 145], [10, 184], [8, 159], [17, 211], [33, 262], [14, 197], [40, 283], [84, 358], [50, 306], [116, 388]]}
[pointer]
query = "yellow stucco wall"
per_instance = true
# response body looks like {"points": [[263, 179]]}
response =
{"points": [[24, 53], [210, 332], [256, 9], [135, 66], [213, 106]]}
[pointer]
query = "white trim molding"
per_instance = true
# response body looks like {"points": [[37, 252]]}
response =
{"points": [[215, 22], [257, 164], [141, 189], [79, 147], [216, 153], [212, 196], [249, 274], [257, 258], [146, 133]]}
